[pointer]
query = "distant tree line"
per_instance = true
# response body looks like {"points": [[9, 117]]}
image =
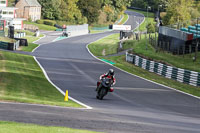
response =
{"points": [[83, 11], [175, 11]]}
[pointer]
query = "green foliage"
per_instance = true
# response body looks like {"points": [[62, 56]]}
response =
{"points": [[49, 22], [154, 4], [151, 28], [63, 10], [83, 11], [177, 13], [90, 9], [40, 22]]}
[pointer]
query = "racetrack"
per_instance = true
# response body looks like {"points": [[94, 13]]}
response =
{"points": [[137, 105]]}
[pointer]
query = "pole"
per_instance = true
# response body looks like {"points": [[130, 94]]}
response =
{"points": [[197, 43], [147, 25]]}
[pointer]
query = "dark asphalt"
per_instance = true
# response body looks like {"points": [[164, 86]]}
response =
{"points": [[136, 105]]}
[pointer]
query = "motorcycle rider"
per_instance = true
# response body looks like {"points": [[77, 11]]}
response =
{"points": [[111, 75]]}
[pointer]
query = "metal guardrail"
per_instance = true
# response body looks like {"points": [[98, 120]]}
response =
{"points": [[173, 33], [178, 74]]}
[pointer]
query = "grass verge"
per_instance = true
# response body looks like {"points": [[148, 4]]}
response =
{"points": [[31, 45], [105, 46], [22, 80], [139, 47], [42, 26], [12, 127]]}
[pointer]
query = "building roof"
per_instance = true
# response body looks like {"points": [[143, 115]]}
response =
{"points": [[33, 3]]}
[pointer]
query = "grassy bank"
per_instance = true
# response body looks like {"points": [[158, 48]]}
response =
{"points": [[42, 26], [22, 80], [12, 127], [180, 61], [105, 46], [139, 48]]}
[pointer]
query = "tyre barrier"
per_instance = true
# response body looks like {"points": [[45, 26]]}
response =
{"points": [[9, 46], [178, 74]]}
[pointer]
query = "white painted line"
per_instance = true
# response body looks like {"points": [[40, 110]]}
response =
{"points": [[139, 76], [88, 107], [37, 43], [40, 105]]}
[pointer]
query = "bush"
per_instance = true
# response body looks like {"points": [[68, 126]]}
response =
{"points": [[49, 22], [151, 28], [40, 21]]}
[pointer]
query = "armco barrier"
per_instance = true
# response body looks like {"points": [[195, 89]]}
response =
{"points": [[181, 75]]}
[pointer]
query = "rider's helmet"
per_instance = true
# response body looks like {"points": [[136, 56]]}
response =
{"points": [[111, 72]]}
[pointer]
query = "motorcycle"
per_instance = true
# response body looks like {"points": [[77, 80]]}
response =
{"points": [[105, 87]]}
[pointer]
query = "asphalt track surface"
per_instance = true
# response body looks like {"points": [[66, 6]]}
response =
{"points": [[137, 105]]}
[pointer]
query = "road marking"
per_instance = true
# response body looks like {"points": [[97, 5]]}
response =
{"points": [[47, 77], [37, 43], [40, 105]]}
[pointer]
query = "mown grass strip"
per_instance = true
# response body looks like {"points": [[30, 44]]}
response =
{"points": [[22, 80], [12, 127], [42, 26], [105, 46]]}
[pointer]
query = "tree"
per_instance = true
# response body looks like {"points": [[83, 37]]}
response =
{"points": [[177, 13], [90, 9], [71, 13], [50, 9]]}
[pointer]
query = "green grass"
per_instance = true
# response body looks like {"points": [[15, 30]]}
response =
{"points": [[179, 61], [140, 48], [109, 44], [22, 80], [12, 127], [31, 45], [6, 39], [42, 26]]}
